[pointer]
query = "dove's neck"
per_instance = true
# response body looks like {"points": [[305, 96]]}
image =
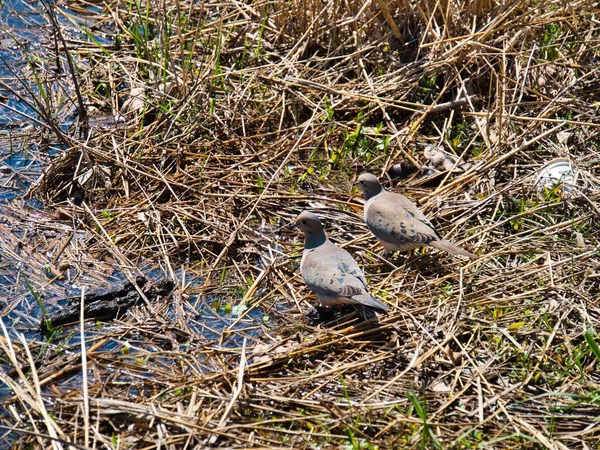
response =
{"points": [[314, 239], [373, 192]]}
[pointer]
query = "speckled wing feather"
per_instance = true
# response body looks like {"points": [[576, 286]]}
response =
{"points": [[333, 275], [410, 207], [395, 224]]}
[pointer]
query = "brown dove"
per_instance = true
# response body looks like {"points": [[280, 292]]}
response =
{"points": [[397, 222], [330, 271]]}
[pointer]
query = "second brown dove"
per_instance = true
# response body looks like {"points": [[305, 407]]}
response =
{"points": [[397, 222]]}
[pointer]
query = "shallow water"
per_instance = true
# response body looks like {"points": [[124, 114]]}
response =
{"points": [[24, 30], [26, 147], [21, 31]]}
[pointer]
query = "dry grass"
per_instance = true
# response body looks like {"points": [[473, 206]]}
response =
{"points": [[213, 125]]}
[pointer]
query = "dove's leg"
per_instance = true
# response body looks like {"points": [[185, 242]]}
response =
{"points": [[365, 313], [319, 314]]}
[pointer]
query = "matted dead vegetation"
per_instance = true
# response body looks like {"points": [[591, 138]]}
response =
{"points": [[211, 125]]}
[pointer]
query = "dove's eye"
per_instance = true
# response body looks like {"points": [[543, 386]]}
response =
{"points": [[304, 222]]}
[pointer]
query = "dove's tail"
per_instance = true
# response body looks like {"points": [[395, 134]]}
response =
{"points": [[449, 247], [370, 302]]}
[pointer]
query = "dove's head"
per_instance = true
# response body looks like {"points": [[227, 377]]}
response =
{"points": [[369, 185], [309, 222], [313, 230]]}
